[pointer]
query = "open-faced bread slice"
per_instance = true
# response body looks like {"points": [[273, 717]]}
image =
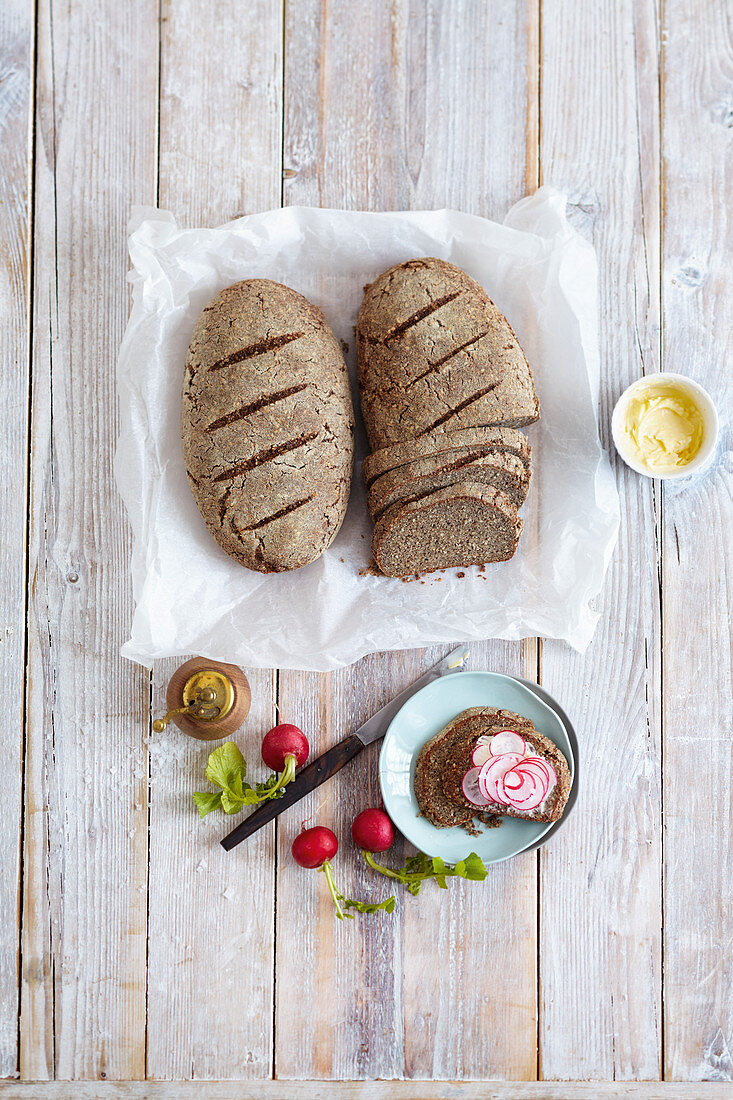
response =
{"points": [[526, 773], [466, 524], [499, 469], [451, 444], [429, 782]]}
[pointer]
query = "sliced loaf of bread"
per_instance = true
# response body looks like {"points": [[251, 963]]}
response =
{"points": [[464, 524], [501, 470], [452, 443]]}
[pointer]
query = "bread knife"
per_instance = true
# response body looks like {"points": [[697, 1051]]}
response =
{"points": [[334, 759]]}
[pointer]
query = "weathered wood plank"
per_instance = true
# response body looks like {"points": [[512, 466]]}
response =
{"points": [[362, 1090], [211, 939], [388, 110], [83, 948], [600, 915], [16, 64], [698, 575]]}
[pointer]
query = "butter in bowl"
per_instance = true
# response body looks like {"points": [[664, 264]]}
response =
{"points": [[665, 426]]}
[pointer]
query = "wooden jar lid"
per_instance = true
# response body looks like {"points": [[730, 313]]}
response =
{"points": [[231, 692]]}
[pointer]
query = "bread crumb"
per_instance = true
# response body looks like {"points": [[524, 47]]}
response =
{"points": [[344, 347], [457, 574]]}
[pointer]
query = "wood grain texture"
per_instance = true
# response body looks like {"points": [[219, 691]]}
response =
{"points": [[388, 110], [83, 949], [16, 63], [220, 109], [697, 274], [359, 1090], [600, 903], [211, 920]]}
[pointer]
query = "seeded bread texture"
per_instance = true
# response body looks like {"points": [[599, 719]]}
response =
{"points": [[267, 426], [466, 524], [410, 482], [451, 444], [445, 759], [434, 353]]}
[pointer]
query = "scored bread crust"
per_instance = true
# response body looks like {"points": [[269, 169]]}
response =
{"points": [[452, 443], [463, 524], [267, 425], [445, 759], [434, 352], [499, 469]]}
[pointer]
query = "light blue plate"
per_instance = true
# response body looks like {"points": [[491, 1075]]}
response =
{"points": [[422, 716]]}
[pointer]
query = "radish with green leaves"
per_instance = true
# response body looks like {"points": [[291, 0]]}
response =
{"points": [[284, 749], [372, 831], [314, 848]]}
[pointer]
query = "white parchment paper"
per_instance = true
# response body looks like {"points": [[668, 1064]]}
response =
{"points": [[191, 598]]}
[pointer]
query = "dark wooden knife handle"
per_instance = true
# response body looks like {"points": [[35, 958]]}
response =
{"points": [[312, 775]]}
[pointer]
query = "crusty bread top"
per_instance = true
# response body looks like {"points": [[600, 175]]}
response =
{"points": [[434, 352], [267, 425]]}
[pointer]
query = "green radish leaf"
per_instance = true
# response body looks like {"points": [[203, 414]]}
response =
{"points": [[230, 804], [226, 765], [206, 802], [365, 906], [473, 868]]}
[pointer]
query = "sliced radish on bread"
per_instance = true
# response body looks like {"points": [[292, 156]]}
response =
{"points": [[506, 741], [494, 770], [471, 790]]}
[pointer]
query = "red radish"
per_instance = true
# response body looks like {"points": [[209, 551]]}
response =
{"points": [[314, 847], [528, 798], [536, 768], [507, 741], [470, 788], [526, 788], [493, 770], [285, 748], [372, 831], [281, 742], [481, 754]]}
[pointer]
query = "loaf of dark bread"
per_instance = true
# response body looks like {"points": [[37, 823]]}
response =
{"points": [[410, 482], [434, 353], [464, 524], [446, 758], [452, 444], [267, 426]]}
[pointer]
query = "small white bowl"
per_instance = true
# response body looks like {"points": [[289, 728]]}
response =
{"points": [[709, 414]]}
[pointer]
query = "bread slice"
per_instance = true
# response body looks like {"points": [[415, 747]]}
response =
{"points": [[466, 524], [446, 758], [501, 470], [451, 443], [429, 782]]}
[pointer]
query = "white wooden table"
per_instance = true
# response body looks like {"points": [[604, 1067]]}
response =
{"points": [[132, 947]]}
